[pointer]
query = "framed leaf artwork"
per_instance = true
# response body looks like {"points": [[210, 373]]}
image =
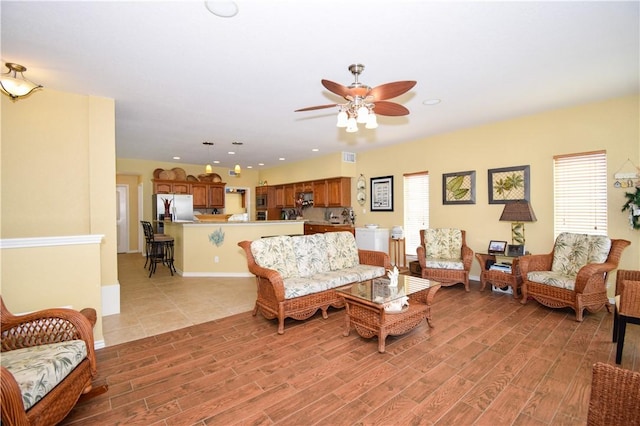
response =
{"points": [[508, 184], [459, 188]]}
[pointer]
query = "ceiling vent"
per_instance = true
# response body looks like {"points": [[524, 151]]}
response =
{"points": [[348, 157]]}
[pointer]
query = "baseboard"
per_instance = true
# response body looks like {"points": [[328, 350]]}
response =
{"points": [[110, 299], [99, 344], [217, 274]]}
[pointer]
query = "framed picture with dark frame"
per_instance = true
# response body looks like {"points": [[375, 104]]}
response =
{"points": [[508, 184], [382, 194], [515, 250], [459, 188]]}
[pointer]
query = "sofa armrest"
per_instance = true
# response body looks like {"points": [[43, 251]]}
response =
{"points": [[47, 326], [374, 258], [534, 262], [271, 276]]}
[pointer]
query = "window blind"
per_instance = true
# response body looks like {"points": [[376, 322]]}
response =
{"points": [[416, 209], [580, 193]]}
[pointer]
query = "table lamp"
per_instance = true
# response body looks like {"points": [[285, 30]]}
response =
{"points": [[518, 212]]}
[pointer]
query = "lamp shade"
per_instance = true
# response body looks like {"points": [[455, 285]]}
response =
{"points": [[518, 211], [16, 86]]}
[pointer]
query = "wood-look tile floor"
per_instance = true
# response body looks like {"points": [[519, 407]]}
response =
{"points": [[488, 361]]}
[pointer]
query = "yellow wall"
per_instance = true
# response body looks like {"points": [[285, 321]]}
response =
{"points": [[57, 179], [533, 140]]}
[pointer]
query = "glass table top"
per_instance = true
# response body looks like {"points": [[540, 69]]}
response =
{"points": [[378, 290]]}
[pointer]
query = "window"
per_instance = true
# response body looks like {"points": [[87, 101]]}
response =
{"points": [[580, 193], [416, 209]]}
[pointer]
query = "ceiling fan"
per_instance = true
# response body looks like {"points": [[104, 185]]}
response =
{"points": [[363, 102]]}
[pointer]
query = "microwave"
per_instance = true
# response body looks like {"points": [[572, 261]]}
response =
{"points": [[261, 201]]}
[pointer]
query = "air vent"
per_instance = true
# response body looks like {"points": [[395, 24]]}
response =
{"points": [[348, 157], [232, 173]]}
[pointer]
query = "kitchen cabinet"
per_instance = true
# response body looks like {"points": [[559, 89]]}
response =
{"points": [[320, 193], [289, 195], [279, 196], [339, 192], [319, 228], [171, 187], [208, 195]]}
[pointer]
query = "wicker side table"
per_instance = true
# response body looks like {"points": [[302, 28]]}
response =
{"points": [[499, 278]]}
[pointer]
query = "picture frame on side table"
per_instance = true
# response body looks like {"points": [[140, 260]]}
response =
{"points": [[508, 184], [459, 187], [515, 250], [382, 194]]}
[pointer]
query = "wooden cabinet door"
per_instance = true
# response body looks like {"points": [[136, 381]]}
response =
{"points": [[289, 196], [279, 196], [339, 192], [216, 196], [162, 187], [181, 188], [320, 193], [200, 192]]}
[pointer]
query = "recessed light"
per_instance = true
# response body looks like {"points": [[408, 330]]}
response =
{"points": [[315, 150], [260, 164], [176, 158], [431, 102], [231, 152], [249, 167], [216, 162], [281, 158]]}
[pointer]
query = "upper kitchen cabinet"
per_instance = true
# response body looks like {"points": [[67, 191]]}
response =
{"points": [[216, 196], [171, 187], [339, 192], [320, 193]]}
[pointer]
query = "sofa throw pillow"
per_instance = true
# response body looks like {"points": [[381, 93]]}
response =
{"points": [[311, 254], [276, 253], [341, 250], [443, 243]]}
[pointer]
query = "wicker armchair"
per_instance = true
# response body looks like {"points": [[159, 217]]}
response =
{"points": [[615, 396], [627, 308], [444, 256], [39, 328], [580, 286]]}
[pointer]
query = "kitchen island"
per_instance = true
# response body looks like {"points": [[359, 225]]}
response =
{"points": [[210, 249]]}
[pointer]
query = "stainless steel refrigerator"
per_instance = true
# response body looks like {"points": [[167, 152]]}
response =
{"points": [[180, 208]]}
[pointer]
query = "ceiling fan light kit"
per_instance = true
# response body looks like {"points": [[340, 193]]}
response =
{"points": [[363, 102]]}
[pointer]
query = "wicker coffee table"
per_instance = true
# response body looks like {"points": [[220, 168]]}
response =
{"points": [[365, 310]]}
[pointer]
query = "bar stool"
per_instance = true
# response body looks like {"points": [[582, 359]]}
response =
{"points": [[159, 249]]}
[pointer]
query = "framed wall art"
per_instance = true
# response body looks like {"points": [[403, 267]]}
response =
{"points": [[382, 194], [459, 188], [508, 184]]}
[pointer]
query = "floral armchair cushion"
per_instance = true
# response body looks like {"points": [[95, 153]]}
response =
{"points": [[573, 251], [341, 250], [311, 254], [39, 369], [443, 243], [276, 253]]}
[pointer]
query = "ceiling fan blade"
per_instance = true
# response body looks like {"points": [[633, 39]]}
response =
{"points": [[336, 88], [391, 90], [316, 107], [389, 108]]}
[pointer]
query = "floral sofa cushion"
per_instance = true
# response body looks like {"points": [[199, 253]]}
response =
{"points": [[342, 250], [321, 281], [39, 369], [311, 254], [443, 244], [573, 251], [276, 253]]}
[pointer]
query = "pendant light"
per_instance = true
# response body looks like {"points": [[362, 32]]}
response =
{"points": [[237, 169], [208, 169]]}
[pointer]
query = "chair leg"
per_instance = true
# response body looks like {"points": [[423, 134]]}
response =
{"points": [[622, 327], [614, 338]]}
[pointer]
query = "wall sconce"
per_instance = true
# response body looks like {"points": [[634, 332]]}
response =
{"points": [[16, 86], [518, 212]]}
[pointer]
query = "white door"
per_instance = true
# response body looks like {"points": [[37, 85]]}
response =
{"points": [[122, 217]]}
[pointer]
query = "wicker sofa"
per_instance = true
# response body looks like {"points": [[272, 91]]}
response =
{"points": [[574, 274], [48, 363], [297, 275], [444, 256]]}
